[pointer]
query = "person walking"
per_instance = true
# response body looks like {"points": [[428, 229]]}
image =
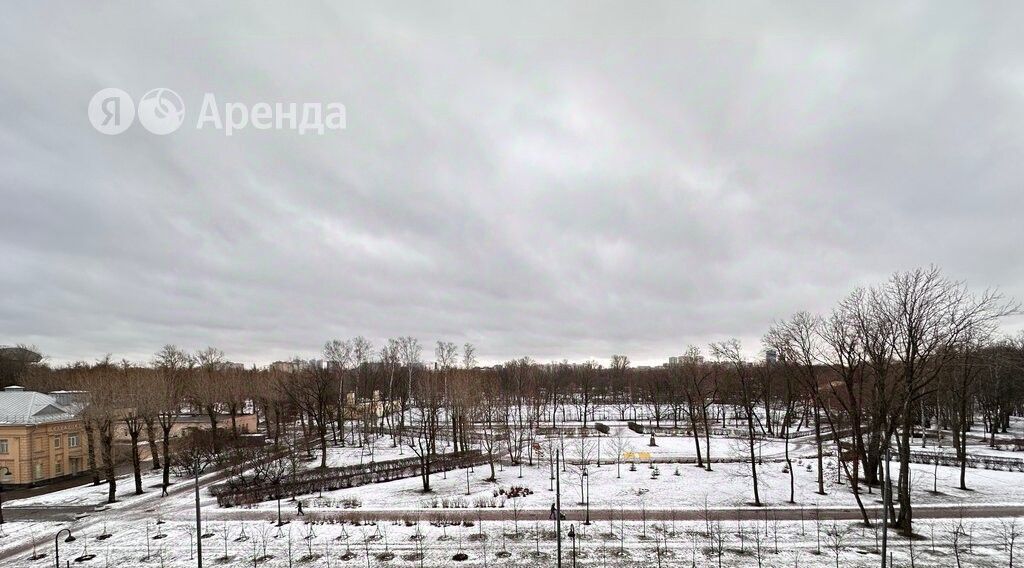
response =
{"points": [[301, 514], [551, 517]]}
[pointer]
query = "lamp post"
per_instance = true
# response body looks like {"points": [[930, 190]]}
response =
{"points": [[56, 544], [558, 506], [551, 480], [587, 500], [583, 477], [4, 478], [199, 524]]}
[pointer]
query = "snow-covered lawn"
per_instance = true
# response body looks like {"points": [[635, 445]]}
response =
{"points": [[611, 486], [492, 543], [132, 522], [616, 486]]}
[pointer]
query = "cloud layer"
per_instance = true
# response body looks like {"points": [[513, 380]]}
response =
{"points": [[553, 181]]}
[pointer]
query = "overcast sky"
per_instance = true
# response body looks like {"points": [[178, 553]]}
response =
{"points": [[555, 181]]}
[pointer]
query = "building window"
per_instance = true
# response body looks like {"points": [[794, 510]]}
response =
{"points": [[72, 440], [38, 471], [3, 447], [58, 468], [56, 441]]}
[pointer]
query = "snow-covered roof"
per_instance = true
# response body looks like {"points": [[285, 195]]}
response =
{"points": [[20, 406]]}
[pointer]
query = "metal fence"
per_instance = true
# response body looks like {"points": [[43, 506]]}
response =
{"points": [[974, 461], [242, 491]]}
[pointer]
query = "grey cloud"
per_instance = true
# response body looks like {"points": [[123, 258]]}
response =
{"points": [[565, 180]]}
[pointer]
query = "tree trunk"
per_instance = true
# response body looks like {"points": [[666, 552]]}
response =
{"points": [[753, 458], [707, 435], [151, 439], [167, 458], [818, 442], [696, 442], [136, 462], [107, 441], [789, 466], [906, 517], [323, 445], [211, 412], [90, 441]]}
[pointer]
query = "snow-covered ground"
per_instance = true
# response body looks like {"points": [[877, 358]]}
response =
{"points": [[492, 543], [133, 521], [611, 486]]}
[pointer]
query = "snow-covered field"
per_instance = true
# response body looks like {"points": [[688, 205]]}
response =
{"points": [[492, 543], [252, 539], [677, 486]]}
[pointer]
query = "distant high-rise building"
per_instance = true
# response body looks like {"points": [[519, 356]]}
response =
{"points": [[683, 359]]}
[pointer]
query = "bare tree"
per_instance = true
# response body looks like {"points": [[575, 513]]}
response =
{"points": [[835, 540], [362, 350], [103, 410], [932, 315], [390, 362], [135, 405], [339, 356], [730, 352], [409, 353], [446, 360], [312, 390], [622, 389], [208, 392], [700, 390], [428, 397], [621, 445], [798, 340], [1009, 532]]}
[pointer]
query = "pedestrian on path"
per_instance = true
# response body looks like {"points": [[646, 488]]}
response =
{"points": [[551, 517], [300, 510]]}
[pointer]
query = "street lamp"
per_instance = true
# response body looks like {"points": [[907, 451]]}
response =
{"points": [[4, 478], [551, 480], [583, 477], [558, 506], [56, 543], [587, 500]]}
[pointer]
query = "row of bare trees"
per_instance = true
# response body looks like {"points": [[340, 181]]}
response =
{"points": [[916, 354], [890, 358]]}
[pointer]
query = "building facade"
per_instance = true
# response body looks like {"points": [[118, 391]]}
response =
{"points": [[40, 439]]}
